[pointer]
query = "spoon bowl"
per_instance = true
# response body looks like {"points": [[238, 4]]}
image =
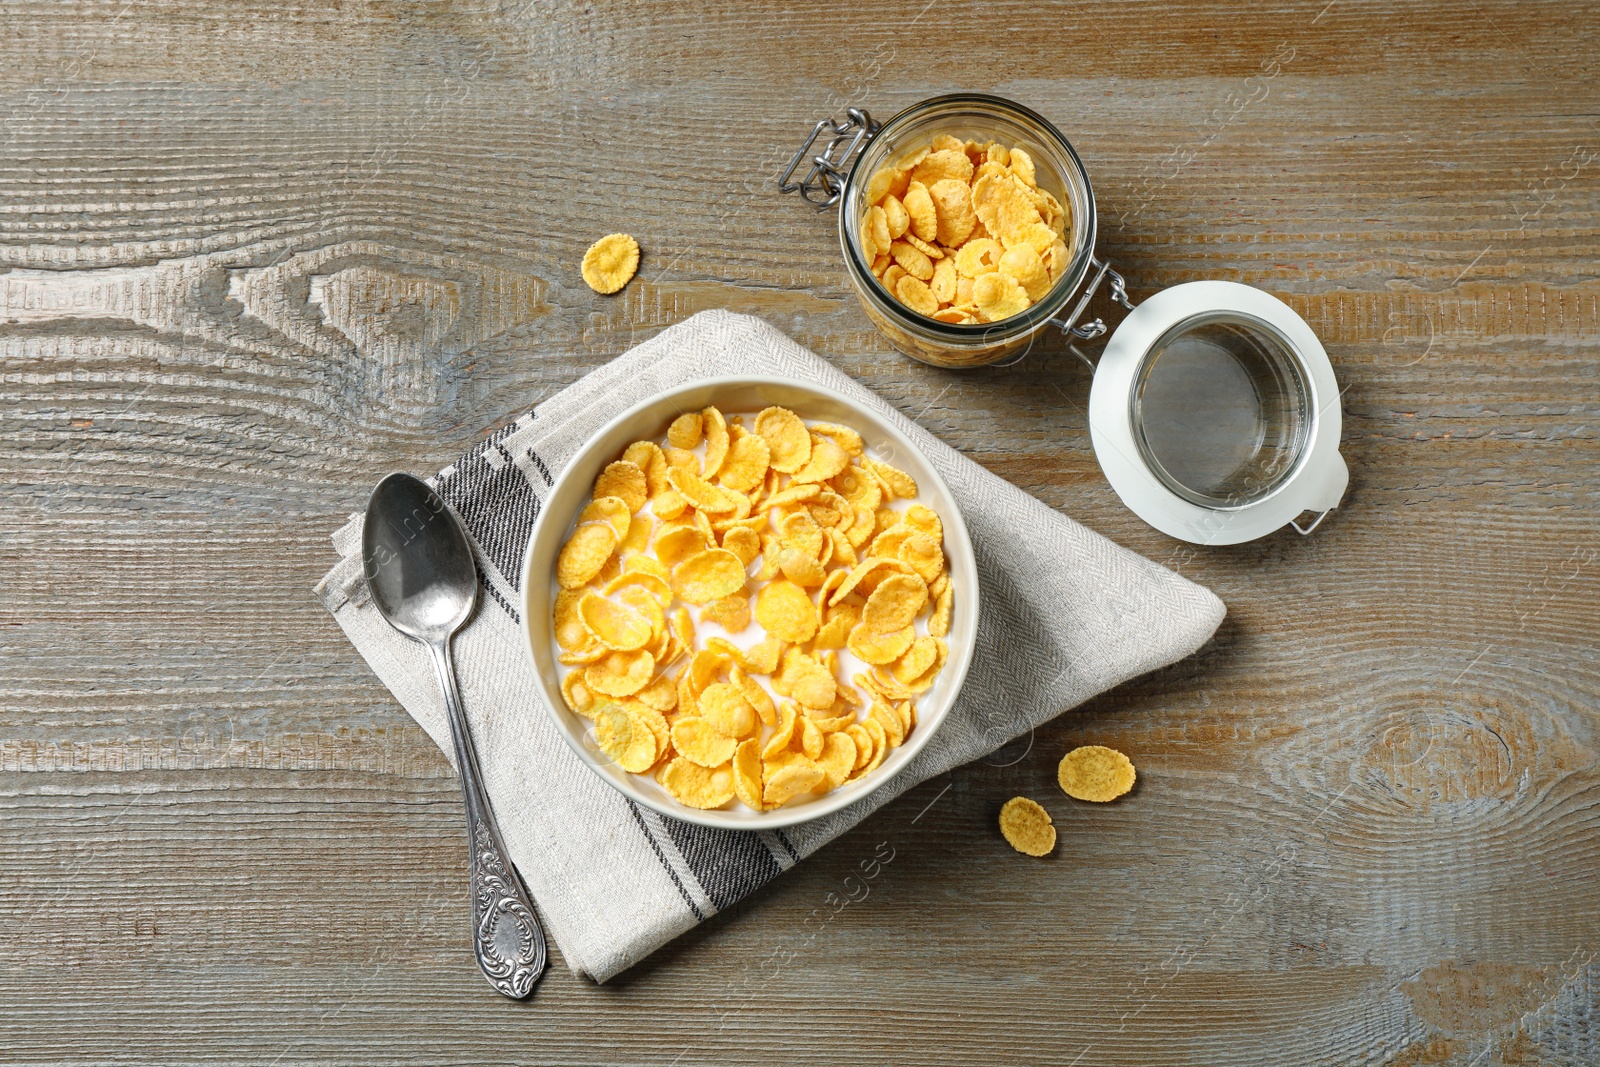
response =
{"points": [[418, 562]]}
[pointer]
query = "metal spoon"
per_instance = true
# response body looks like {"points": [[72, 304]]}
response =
{"points": [[420, 570]]}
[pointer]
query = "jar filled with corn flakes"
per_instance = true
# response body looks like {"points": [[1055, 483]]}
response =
{"points": [[954, 139], [968, 227]]}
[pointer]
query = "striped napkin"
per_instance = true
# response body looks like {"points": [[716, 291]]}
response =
{"points": [[1065, 615]]}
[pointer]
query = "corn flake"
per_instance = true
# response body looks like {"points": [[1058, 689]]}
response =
{"points": [[747, 774], [919, 207], [583, 556], [715, 428], [999, 296], [699, 787], [788, 440], [746, 464], [785, 612], [1095, 773], [685, 430], [619, 674], [616, 626], [610, 262], [1027, 827], [894, 603], [787, 776], [875, 648], [707, 576]]}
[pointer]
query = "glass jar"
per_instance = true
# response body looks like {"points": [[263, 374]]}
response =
{"points": [[1058, 170], [1214, 410]]}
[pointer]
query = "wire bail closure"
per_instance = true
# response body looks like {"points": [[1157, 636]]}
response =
{"points": [[824, 183]]}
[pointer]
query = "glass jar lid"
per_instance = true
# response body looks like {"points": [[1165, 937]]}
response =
{"points": [[1215, 414]]}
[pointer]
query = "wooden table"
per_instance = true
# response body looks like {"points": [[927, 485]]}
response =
{"points": [[259, 254]]}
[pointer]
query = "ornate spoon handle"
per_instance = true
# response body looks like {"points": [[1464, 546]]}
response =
{"points": [[506, 936]]}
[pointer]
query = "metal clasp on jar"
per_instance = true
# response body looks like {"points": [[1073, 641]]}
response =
{"points": [[824, 183], [1088, 331]]}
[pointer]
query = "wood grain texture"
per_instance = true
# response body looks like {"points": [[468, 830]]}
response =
{"points": [[255, 255]]}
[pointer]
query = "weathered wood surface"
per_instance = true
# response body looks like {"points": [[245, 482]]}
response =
{"points": [[259, 254]]}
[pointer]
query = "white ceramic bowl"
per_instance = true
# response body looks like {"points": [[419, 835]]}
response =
{"points": [[648, 421]]}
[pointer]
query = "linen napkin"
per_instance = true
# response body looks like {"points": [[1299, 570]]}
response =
{"points": [[1065, 614]]}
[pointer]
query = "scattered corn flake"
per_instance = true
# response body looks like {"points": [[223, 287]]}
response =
{"points": [[608, 509], [979, 257], [699, 741], [843, 436], [901, 483], [932, 251], [1027, 827], [880, 745], [858, 733], [754, 695], [577, 695], [702, 495], [952, 204], [570, 632], [916, 660], [678, 458], [1003, 205], [1022, 167], [945, 164], [838, 758], [939, 623], [1023, 265], [923, 554], [676, 543], [894, 730], [762, 657], [725, 709], [624, 737], [896, 216], [810, 735], [811, 685], [782, 735], [1095, 773], [801, 532], [943, 286], [913, 262], [610, 262], [660, 694], [801, 569], [916, 295]]}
